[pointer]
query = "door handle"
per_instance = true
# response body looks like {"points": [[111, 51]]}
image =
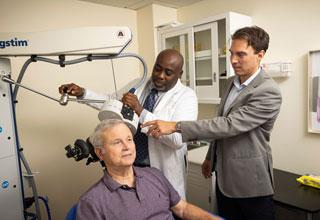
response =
{"points": [[214, 77]]}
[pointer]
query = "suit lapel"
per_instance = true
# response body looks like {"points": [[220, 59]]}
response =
{"points": [[256, 81], [224, 98]]}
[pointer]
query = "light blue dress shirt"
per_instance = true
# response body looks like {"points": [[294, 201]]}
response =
{"points": [[237, 89]]}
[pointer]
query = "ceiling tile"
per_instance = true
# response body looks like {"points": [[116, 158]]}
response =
{"points": [[136, 4]]}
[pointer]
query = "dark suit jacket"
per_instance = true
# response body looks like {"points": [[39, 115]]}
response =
{"points": [[240, 149]]}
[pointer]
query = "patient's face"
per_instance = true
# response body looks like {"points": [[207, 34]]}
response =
{"points": [[119, 146]]}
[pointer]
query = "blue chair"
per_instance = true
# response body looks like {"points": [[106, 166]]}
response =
{"points": [[72, 213]]}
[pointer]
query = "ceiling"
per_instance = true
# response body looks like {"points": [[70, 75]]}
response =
{"points": [[137, 4]]}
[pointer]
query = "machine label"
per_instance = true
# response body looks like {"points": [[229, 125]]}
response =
{"points": [[15, 42]]}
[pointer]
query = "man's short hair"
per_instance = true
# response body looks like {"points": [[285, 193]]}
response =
{"points": [[96, 138], [175, 53], [255, 36]]}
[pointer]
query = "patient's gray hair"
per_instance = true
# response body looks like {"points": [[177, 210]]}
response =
{"points": [[96, 138]]}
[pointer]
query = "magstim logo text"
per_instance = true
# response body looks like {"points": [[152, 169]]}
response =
{"points": [[14, 42]]}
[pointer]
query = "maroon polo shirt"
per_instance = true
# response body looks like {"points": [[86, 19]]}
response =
{"points": [[152, 198]]}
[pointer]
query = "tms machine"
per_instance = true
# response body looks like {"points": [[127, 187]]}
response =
{"points": [[88, 44]]}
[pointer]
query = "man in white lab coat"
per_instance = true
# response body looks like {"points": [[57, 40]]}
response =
{"points": [[172, 102]]}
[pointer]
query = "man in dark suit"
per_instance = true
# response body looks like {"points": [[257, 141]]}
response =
{"points": [[239, 153]]}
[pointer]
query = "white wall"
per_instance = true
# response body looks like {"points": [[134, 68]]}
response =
{"points": [[45, 127], [293, 26], [148, 18], [161, 15], [145, 38]]}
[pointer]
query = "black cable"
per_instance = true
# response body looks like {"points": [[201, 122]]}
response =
{"points": [[47, 206]]}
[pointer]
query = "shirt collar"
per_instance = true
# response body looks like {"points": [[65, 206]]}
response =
{"points": [[113, 185], [152, 86], [236, 80]]}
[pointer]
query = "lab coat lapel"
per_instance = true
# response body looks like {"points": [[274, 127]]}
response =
{"points": [[141, 89], [168, 96]]}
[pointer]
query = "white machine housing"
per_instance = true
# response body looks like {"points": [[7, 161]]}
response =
{"points": [[10, 178], [75, 41]]}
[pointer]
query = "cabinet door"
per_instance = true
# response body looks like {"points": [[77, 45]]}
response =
{"points": [[206, 62], [181, 41]]}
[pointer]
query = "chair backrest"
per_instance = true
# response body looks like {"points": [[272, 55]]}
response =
{"points": [[72, 213]]}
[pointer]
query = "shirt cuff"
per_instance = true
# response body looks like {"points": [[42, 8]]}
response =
{"points": [[143, 116], [84, 94]]}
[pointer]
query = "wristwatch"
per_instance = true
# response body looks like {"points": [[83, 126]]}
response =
{"points": [[178, 126]]}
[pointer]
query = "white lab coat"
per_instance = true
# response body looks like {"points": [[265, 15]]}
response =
{"points": [[168, 153]]}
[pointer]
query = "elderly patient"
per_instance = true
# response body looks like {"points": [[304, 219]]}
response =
{"points": [[128, 192]]}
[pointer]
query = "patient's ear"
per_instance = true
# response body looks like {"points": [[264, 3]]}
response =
{"points": [[99, 152]]}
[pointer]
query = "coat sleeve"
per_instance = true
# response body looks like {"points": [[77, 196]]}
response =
{"points": [[186, 109], [107, 97], [262, 105]]}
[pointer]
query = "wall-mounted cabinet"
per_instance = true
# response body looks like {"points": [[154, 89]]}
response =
{"points": [[204, 45]]}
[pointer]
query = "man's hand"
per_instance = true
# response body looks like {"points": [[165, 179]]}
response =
{"points": [[206, 168], [158, 128], [132, 101], [72, 89]]}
